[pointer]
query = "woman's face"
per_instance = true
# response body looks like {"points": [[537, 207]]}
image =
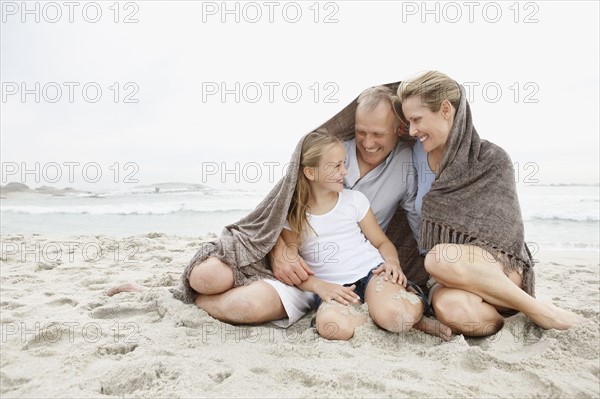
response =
{"points": [[430, 128]]}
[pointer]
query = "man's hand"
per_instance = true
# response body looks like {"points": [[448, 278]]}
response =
{"points": [[288, 267]]}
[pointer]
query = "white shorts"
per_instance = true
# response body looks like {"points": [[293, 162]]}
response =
{"points": [[295, 301]]}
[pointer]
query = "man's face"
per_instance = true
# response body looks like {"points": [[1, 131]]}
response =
{"points": [[375, 135]]}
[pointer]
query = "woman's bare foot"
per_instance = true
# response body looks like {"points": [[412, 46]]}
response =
{"points": [[433, 327], [125, 287], [557, 318]]}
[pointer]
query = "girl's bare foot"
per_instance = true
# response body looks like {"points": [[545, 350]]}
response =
{"points": [[125, 287]]}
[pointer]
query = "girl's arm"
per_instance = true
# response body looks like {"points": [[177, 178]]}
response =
{"points": [[327, 291], [391, 265]]}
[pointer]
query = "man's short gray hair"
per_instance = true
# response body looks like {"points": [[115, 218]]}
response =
{"points": [[371, 97]]}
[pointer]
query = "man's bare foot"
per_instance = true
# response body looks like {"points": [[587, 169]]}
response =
{"points": [[434, 327], [557, 318], [125, 287]]}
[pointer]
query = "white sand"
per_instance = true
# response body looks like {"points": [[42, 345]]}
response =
{"points": [[62, 337]]}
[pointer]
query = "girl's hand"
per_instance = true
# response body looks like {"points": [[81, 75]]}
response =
{"points": [[393, 273], [337, 292]]}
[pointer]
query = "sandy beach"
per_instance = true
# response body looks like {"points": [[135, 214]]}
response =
{"points": [[63, 337]]}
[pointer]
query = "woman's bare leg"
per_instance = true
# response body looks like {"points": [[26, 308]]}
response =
{"points": [[465, 313], [472, 269]]}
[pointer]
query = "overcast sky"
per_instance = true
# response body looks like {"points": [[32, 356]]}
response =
{"points": [[531, 68]]}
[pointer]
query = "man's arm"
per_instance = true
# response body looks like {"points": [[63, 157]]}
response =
{"points": [[288, 266]]}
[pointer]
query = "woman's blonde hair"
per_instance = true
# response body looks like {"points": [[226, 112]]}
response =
{"points": [[433, 87], [314, 146]]}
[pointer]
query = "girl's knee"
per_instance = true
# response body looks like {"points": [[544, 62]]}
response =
{"points": [[397, 315], [334, 325]]}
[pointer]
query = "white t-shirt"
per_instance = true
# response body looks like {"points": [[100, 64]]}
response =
{"points": [[339, 252]]}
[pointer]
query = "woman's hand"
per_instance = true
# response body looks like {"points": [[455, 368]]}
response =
{"points": [[336, 292], [393, 273]]}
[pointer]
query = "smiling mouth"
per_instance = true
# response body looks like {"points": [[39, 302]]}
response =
{"points": [[371, 151], [423, 138]]}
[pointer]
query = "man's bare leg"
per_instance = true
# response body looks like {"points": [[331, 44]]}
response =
{"points": [[258, 302], [211, 277]]}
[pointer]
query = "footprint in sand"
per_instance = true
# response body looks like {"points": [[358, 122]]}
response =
{"points": [[63, 301], [8, 384], [220, 376], [137, 376], [118, 349], [49, 334], [127, 309], [10, 305], [46, 266]]}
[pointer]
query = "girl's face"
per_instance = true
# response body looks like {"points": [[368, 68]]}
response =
{"points": [[430, 128], [329, 174]]}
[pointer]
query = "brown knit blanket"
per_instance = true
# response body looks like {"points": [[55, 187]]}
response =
{"points": [[473, 199], [245, 245]]}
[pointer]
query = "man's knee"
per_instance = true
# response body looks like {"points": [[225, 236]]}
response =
{"points": [[211, 277]]}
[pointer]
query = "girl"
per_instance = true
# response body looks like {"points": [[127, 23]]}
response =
{"points": [[337, 235]]}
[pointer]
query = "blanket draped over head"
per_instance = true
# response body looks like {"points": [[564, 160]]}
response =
{"points": [[245, 245], [473, 200]]}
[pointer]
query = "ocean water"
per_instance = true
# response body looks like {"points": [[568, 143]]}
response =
{"points": [[556, 217]]}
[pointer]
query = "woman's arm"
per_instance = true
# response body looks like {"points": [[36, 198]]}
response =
{"points": [[391, 265]]}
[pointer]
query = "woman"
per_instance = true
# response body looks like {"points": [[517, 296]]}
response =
{"points": [[471, 226]]}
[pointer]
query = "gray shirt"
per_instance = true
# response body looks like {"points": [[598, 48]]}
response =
{"points": [[389, 185], [425, 175]]}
